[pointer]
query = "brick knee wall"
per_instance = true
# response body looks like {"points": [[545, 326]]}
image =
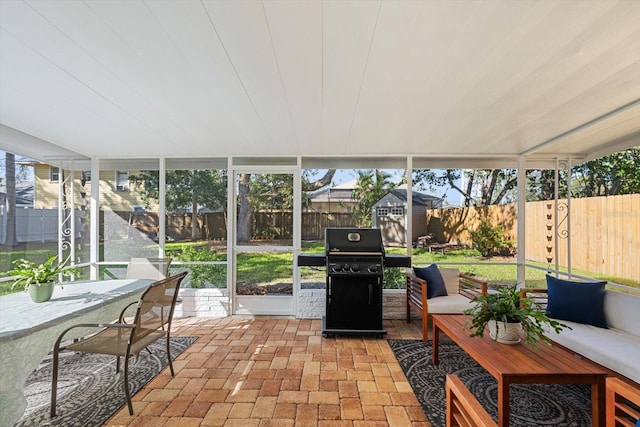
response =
{"points": [[311, 303]]}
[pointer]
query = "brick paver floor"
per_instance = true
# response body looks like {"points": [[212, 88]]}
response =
{"points": [[276, 372]]}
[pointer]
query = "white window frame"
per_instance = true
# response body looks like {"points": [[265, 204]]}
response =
{"points": [[54, 173], [383, 212], [120, 185]]}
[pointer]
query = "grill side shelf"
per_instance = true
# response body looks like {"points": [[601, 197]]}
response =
{"points": [[397, 261], [312, 260]]}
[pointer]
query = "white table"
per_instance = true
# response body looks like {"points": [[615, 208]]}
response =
{"points": [[28, 330]]}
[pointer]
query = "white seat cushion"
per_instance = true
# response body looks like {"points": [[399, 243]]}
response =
{"points": [[451, 304], [613, 348]]}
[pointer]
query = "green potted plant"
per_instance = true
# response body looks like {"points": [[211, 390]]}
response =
{"points": [[39, 279], [507, 315]]}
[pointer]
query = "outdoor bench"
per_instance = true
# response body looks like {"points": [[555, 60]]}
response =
{"points": [[615, 348], [460, 289]]}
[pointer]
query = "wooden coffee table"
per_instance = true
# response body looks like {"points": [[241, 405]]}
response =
{"points": [[512, 364]]}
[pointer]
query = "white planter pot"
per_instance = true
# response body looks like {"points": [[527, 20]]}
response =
{"points": [[505, 333]]}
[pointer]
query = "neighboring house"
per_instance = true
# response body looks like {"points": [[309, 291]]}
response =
{"points": [[116, 192], [338, 199], [390, 215]]}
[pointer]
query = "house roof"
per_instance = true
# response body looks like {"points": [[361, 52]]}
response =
{"points": [[417, 198], [340, 193], [24, 194], [331, 83]]}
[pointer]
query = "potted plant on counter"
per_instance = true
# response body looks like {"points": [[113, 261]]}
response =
{"points": [[507, 315], [39, 279]]}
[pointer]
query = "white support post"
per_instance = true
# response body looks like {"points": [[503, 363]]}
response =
{"points": [[297, 231], [231, 234], [162, 183], [60, 211], [72, 213], [94, 220], [522, 202], [408, 215], [569, 217], [556, 223]]}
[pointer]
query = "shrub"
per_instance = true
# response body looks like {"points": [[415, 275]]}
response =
{"points": [[490, 240], [394, 278], [201, 274]]}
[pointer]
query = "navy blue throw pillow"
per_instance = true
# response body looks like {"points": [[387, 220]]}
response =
{"points": [[434, 279], [580, 302]]}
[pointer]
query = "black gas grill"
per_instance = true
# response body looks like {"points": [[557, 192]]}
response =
{"points": [[355, 260]]}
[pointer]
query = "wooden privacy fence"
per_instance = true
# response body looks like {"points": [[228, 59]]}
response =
{"points": [[605, 231], [213, 225]]}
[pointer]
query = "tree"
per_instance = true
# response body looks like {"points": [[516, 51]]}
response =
{"points": [[244, 208], [617, 173], [541, 184], [269, 191], [185, 189], [482, 187], [372, 185]]}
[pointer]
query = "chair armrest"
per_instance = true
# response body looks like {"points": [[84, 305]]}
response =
{"points": [[471, 287], [539, 295], [91, 325], [121, 317], [415, 288]]}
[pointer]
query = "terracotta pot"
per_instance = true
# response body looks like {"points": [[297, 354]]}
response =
{"points": [[41, 292], [505, 333]]}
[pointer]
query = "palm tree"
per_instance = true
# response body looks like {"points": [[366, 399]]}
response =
{"points": [[372, 185]]}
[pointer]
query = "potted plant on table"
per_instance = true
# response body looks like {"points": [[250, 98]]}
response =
{"points": [[507, 315], [39, 279]]}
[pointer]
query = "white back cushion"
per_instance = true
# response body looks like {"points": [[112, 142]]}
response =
{"points": [[451, 279], [622, 311]]}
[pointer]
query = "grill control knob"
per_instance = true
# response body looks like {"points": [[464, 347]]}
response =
{"points": [[355, 268], [373, 268], [336, 267]]}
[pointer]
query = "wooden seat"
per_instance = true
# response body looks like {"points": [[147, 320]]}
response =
{"points": [[463, 409], [460, 288], [151, 323]]}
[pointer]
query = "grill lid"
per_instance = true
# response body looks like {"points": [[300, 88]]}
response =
{"points": [[353, 241]]}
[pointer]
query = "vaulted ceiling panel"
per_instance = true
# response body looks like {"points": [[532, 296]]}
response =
{"points": [[296, 31], [435, 79], [348, 29], [244, 32]]}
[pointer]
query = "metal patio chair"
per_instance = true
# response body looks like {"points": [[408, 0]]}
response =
{"points": [[152, 322]]}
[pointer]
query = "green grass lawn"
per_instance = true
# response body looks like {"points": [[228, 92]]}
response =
{"points": [[269, 267]]}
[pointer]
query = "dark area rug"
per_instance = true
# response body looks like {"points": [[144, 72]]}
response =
{"points": [[89, 390], [566, 405]]}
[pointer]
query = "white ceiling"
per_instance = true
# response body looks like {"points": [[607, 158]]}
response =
{"points": [[443, 80]]}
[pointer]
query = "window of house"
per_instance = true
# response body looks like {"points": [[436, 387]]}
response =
{"points": [[122, 180], [383, 211], [54, 173], [397, 211]]}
